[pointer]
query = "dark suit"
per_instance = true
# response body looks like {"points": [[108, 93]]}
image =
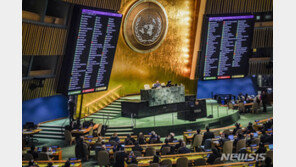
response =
{"points": [[208, 135], [119, 160], [183, 150]]}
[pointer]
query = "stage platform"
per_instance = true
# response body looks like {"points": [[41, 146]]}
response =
{"points": [[164, 123]]}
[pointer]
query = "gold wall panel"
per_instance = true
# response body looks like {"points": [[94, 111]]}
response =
{"points": [[170, 61]]}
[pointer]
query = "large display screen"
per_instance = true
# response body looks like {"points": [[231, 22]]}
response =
{"points": [[226, 46], [90, 51]]}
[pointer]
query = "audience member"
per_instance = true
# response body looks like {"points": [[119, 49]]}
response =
{"points": [[215, 154], [183, 149], [208, 134], [141, 138], [33, 152], [120, 157], [114, 138]]}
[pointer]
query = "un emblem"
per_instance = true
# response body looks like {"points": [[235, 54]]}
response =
{"points": [[145, 26]]}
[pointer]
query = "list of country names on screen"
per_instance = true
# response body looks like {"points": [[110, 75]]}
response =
{"points": [[227, 46], [94, 53]]}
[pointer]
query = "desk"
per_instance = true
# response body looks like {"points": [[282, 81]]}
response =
{"points": [[83, 131], [56, 153], [58, 163], [145, 161], [163, 96], [28, 134]]}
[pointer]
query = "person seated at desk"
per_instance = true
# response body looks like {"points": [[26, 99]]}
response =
{"points": [[158, 139], [120, 157], [153, 137], [129, 140], [141, 138], [67, 164], [137, 147], [214, 155], [131, 159], [223, 140], [208, 135], [171, 137], [249, 128], [81, 149], [33, 152], [114, 138], [99, 142], [156, 85], [156, 159], [266, 138], [197, 133], [240, 136], [32, 164], [169, 84], [183, 149], [237, 127], [261, 148], [177, 146]]}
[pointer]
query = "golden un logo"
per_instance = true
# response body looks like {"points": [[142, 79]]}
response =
{"points": [[145, 26]]}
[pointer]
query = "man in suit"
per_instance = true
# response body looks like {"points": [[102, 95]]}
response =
{"points": [[33, 152], [208, 134], [121, 156], [183, 149]]}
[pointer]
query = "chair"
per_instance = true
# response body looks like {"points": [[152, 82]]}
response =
{"points": [[150, 151], [43, 156], [270, 155], [241, 107], [227, 147], [99, 130], [27, 157], [240, 144], [197, 141], [154, 165], [166, 162], [218, 161], [255, 108], [182, 162], [137, 153], [68, 137], [200, 161], [91, 131], [165, 150], [102, 158]]}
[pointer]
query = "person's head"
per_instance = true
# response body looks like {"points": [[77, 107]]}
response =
{"points": [[198, 131], [104, 147], [183, 144], [237, 125], [172, 134], [32, 148], [67, 164], [152, 133], [208, 129], [166, 141], [44, 149], [141, 134], [114, 134], [155, 159], [226, 135], [157, 82], [250, 124], [158, 137]]}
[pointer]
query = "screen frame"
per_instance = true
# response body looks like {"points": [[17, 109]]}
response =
{"points": [[71, 41], [202, 54]]}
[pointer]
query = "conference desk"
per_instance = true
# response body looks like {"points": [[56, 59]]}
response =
{"points": [[121, 138], [145, 161], [28, 134], [56, 163], [84, 131], [56, 153]]}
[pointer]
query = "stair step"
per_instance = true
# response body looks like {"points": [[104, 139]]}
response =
{"points": [[119, 133], [49, 136], [116, 102], [111, 108], [108, 112], [50, 126], [115, 105], [51, 133], [52, 129], [99, 117], [119, 130], [120, 127], [105, 113]]}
